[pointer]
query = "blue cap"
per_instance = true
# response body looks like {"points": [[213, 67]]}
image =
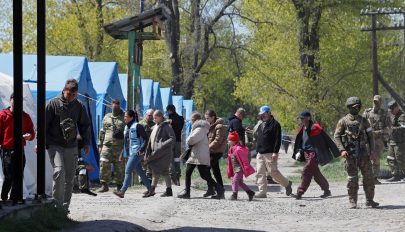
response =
{"points": [[264, 109], [304, 114]]}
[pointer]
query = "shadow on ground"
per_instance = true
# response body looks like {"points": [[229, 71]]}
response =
{"points": [[116, 225]]}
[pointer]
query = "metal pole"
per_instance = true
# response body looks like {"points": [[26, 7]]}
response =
{"points": [[18, 165], [41, 67], [374, 54]]}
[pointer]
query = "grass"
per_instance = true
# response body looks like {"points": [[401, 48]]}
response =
{"points": [[45, 219]]}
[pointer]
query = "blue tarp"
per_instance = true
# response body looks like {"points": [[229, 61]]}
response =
{"points": [[166, 94], [124, 84], [189, 108], [58, 70], [146, 98], [157, 98], [108, 87], [178, 103]]}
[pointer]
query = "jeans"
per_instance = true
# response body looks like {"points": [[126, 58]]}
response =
{"points": [[204, 173], [215, 157], [134, 164]]}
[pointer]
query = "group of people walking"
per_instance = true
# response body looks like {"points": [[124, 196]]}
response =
{"points": [[152, 148]]}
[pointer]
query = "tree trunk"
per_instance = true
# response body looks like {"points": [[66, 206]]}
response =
{"points": [[100, 31]]}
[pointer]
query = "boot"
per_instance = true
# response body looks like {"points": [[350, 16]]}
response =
{"points": [[372, 204], [288, 189], [234, 196], [87, 191], [353, 203], [103, 188], [394, 179], [210, 192], [185, 194], [250, 194], [376, 181], [326, 194], [297, 196], [220, 193], [119, 194], [119, 186], [168, 193], [151, 193]]}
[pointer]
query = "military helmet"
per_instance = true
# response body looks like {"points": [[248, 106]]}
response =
{"points": [[353, 101]]}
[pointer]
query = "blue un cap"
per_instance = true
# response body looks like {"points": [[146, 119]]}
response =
{"points": [[264, 109]]}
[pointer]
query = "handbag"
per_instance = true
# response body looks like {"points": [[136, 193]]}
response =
{"points": [[186, 154]]}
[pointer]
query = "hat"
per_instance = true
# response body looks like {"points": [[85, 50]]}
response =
{"points": [[264, 109], [392, 104], [304, 114], [233, 136], [12, 96]]}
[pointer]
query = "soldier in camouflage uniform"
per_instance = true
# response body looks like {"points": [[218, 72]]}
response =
{"points": [[110, 147], [379, 121], [396, 147], [147, 123], [354, 139]]}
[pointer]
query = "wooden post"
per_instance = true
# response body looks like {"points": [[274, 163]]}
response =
{"points": [[374, 53]]}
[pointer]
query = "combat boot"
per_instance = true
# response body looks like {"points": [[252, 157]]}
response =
{"points": [[103, 188], [234, 196], [250, 194], [210, 192], [372, 204], [168, 193]]}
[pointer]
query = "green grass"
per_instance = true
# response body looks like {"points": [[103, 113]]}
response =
{"points": [[45, 219]]}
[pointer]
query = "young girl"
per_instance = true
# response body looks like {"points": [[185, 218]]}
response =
{"points": [[135, 143], [238, 165]]}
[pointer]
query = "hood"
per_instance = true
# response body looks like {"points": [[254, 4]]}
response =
{"points": [[202, 124], [219, 121]]}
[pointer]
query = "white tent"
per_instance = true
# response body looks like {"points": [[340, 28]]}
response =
{"points": [[30, 171]]}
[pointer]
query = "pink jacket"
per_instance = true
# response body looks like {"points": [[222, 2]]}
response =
{"points": [[241, 153]]}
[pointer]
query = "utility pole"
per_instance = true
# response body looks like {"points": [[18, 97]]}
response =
{"points": [[374, 28]]}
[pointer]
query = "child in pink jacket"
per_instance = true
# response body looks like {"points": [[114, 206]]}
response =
{"points": [[238, 166]]}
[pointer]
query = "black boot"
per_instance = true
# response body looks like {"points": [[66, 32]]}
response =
{"points": [[326, 194], [297, 196], [210, 192], [220, 193], [87, 191], [234, 196], [250, 194], [372, 204], [168, 193], [185, 194]]}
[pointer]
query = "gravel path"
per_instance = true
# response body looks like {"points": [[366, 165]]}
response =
{"points": [[278, 212]]}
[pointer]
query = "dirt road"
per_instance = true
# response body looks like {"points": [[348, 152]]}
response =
{"points": [[278, 212]]}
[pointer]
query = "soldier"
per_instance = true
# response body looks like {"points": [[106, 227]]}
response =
{"points": [[354, 139], [110, 147], [396, 149], [379, 121]]}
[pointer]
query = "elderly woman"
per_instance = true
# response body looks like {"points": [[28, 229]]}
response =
{"points": [[159, 153], [200, 156]]}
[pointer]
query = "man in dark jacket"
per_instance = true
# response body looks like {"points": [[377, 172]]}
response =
{"points": [[267, 147], [235, 124], [313, 146], [65, 116], [177, 123]]}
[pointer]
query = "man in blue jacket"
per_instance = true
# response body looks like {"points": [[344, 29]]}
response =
{"points": [[313, 146]]}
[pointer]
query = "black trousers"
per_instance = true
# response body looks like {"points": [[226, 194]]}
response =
{"points": [[205, 174], [215, 157], [11, 178]]}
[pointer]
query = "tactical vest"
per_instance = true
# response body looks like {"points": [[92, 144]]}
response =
{"points": [[398, 128], [377, 120], [355, 139]]}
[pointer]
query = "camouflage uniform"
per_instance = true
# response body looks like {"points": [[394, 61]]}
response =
{"points": [[353, 134], [379, 121], [148, 126], [112, 139], [396, 148]]}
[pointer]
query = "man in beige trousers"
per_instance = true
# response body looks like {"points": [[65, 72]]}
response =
{"points": [[267, 147]]}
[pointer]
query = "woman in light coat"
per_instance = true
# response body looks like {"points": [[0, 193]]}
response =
{"points": [[200, 156]]}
